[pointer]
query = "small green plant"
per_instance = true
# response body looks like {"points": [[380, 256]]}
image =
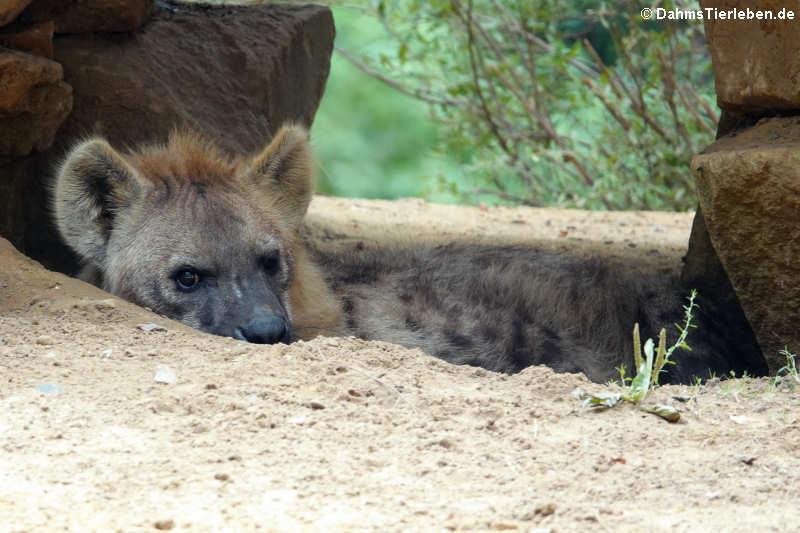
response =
{"points": [[648, 369], [787, 374]]}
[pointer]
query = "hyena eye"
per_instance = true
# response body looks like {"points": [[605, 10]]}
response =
{"points": [[187, 280], [271, 263]]}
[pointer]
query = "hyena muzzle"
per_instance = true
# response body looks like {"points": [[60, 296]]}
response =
{"points": [[218, 243]]}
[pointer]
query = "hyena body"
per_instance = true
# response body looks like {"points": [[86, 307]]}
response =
{"points": [[218, 244]]}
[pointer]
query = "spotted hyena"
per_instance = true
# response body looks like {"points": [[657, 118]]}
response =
{"points": [[218, 243]]}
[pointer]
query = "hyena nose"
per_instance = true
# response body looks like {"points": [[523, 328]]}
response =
{"points": [[264, 329]]}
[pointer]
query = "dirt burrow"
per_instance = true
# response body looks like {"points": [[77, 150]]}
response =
{"points": [[340, 434]]}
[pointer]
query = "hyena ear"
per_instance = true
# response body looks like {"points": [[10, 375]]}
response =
{"points": [[93, 183], [283, 172]]}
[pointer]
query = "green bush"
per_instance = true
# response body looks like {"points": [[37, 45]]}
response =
{"points": [[537, 115], [574, 104]]}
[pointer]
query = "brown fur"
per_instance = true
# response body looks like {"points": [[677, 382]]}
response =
{"points": [[149, 221], [136, 218]]}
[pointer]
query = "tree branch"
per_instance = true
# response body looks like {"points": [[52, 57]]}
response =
{"points": [[414, 93]]}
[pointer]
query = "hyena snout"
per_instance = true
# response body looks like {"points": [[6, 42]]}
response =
{"points": [[266, 328]]}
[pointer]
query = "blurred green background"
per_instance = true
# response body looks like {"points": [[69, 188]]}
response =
{"points": [[370, 140]]}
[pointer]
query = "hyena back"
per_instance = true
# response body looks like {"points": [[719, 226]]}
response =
{"points": [[218, 243]]}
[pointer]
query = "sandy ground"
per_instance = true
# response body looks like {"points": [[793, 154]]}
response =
{"points": [[345, 435]]}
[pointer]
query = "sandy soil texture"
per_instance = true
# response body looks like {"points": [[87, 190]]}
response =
{"points": [[106, 426]]}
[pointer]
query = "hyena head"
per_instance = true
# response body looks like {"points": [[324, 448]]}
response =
{"points": [[189, 232]]}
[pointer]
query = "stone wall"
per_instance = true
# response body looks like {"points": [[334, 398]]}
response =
{"points": [[745, 245], [132, 71]]}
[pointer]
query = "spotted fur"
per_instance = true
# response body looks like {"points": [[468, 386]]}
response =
{"points": [[141, 221]]}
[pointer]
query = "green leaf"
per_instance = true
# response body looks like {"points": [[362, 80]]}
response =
{"points": [[640, 384], [602, 400], [402, 52], [668, 413]]}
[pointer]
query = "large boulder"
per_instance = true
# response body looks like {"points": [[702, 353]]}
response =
{"points": [[232, 73], [33, 104], [36, 39], [755, 71], [9, 9], [748, 185], [79, 16], [756, 64], [21, 74]]}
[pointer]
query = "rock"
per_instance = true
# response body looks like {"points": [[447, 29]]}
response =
{"points": [[151, 327], [13, 178], [233, 73], [36, 39], [756, 65], [164, 525], [34, 103], [49, 388], [165, 375], [703, 271], [21, 73], [748, 185], [36, 128], [9, 9], [74, 16]]}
